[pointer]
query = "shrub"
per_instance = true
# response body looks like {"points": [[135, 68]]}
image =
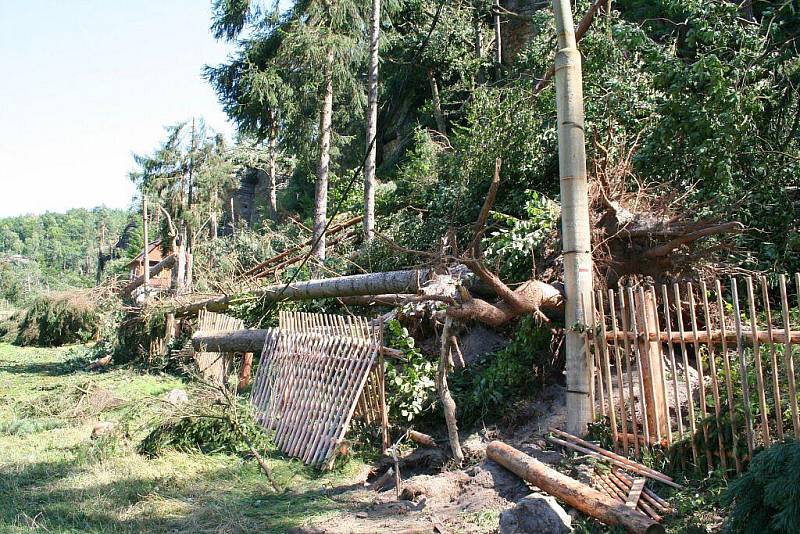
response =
{"points": [[61, 318], [508, 375], [208, 432], [766, 498], [410, 385]]}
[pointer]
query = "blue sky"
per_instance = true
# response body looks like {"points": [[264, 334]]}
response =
{"points": [[87, 82]]}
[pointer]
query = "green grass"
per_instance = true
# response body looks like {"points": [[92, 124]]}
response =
{"points": [[54, 476]]}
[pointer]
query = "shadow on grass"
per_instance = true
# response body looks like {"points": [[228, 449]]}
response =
{"points": [[226, 499], [52, 368]]}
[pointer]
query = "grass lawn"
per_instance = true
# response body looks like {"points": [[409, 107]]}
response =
{"points": [[54, 476]]}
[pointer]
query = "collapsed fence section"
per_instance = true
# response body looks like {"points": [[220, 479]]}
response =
{"points": [[708, 366], [317, 372]]}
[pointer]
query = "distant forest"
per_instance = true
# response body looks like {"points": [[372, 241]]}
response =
{"points": [[58, 250]]}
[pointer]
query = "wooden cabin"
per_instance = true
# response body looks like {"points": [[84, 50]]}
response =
{"points": [[162, 280]]}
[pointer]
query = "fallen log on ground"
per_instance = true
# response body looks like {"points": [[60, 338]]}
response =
{"points": [[245, 341], [341, 286], [166, 263], [576, 494]]}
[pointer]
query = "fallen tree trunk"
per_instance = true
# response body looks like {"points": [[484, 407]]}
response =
{"points": [[245, 341], [576, 494], [166, 263], [340, 286], [532, 297]]}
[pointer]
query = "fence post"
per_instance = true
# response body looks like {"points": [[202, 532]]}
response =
{"points": [[652, 370]]}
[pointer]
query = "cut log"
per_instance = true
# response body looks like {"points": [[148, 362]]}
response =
{"points": [[248, 341], [576, 494], [166, 263], [422, 439], [341, 286], [244, 374]]}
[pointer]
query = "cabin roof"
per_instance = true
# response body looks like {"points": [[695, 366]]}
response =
{"points": [[153, 246]]}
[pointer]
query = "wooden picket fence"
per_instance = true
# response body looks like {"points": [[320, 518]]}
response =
{"points": [[711, 364], [317, 372]]}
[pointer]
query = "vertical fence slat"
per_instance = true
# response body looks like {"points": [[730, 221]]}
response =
{"points": [[607, 365], [712, 369], [676, 397], [589, 360], [651, 383], [638, 354], [773, 358], [748, 417], [623, 309], [788, 360], [762, 399], [687, 378], [598, 358], [620, 383], [700, 376], [728, 381], [661, 368]]}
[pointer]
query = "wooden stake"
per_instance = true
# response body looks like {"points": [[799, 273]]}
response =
{"points": [[762, 399], [728, 382], [638, 352], [776, 385], [607, 366], [714, 385], [787, 356], [382, 374], [663, 372], [737, 317], [626, 327], [692, 426], [618, 365], [613, 461], [653, 391], [701, 379], [671, 348], [624, 462]]}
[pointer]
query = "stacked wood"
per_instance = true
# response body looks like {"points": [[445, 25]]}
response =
{"points": [[590, 449], [576, 494]]}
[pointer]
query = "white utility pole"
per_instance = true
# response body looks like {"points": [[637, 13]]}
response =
{"points": [[575, 226]]}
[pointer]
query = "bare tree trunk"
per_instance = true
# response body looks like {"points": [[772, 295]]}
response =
{"points": [[146, 252], [448, 404], [478, 40], [498, 38], [372, 124], [575, 227], [441, 125], [321, 186], [272, 198]]}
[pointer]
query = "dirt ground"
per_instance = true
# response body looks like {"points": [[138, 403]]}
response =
{"points": [[451, 500]]}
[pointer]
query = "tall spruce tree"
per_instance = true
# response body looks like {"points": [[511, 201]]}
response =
{"points": [[291, 65]]}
